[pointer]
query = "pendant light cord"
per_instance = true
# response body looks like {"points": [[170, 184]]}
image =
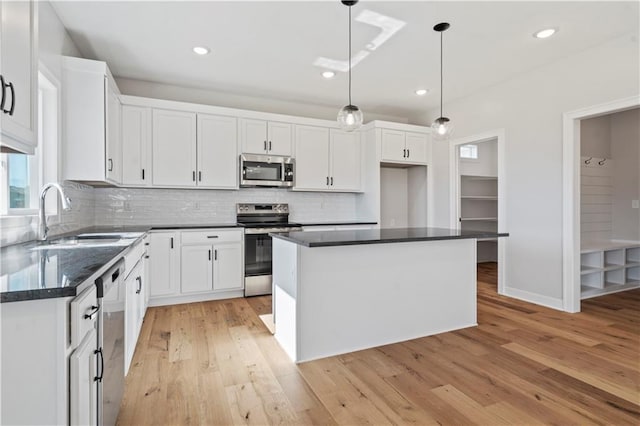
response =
{"points": [[349, 55], [441, 73]]}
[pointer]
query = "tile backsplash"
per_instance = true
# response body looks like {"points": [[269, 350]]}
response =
{"points": [[145, 206], [134, 206]]}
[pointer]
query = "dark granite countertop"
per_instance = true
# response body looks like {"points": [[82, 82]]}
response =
{"points": [[336, 223], [30, 272], [380, 236]]}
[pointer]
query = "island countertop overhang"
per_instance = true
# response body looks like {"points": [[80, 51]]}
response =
{"points": [[382, 236]]}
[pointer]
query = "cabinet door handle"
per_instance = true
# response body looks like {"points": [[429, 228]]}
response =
{"points": [[171, 242], [194, 175], [92, 313], [13, 99], [139, 279], [331, 180], [269, 145], [408, 153], [142, 174], [327, 180], [4, 93], [99, 377], [209, 254], [265, 145], [110, 168], [199, 176], [404, 153], [215, 254], [212, 236]]}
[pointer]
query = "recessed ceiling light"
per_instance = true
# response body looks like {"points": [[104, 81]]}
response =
{"points": [[200, 50], [547, 32], [422, 92], [328, 74]]}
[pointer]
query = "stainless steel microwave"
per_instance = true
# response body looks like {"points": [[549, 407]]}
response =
{"points": [[266, 170]]}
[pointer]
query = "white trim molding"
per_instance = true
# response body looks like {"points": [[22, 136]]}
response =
{"points": [[538, 299], [571, 194], [454, 190]]}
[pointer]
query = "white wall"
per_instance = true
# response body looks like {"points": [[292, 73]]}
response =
{"points": [[150, 89], [529, 107], [625, 151], [595, 137], [394, 201]]}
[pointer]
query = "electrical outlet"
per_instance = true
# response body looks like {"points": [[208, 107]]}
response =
{"points": [[635, 204]]}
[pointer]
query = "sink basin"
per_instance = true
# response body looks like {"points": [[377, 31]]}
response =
{"points": [[80, 242]]}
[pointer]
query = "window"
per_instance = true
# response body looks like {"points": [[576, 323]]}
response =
{"points": [[469, 152], [22, 176]]}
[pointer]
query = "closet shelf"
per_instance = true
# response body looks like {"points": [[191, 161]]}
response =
{"points": [[480, 197], [492, 219]]}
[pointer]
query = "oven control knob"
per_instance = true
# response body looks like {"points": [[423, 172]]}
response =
{"points": [[285, 208]]}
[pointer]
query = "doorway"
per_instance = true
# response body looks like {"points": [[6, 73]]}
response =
{"points": [[572, 227], [477, 199]]}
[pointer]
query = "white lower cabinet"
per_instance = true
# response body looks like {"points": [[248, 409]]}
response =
{"points": [[134, 310], [210, 265], [227, 267], [83, 402], [164, 261], [197, 269]]}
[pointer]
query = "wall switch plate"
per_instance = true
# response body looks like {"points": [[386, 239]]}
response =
{"points": [[635, 204]]}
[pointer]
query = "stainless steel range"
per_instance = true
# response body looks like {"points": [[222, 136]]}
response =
{"points": [[259, 220]]}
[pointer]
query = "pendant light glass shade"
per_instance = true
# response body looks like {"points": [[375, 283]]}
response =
{"points": [[350, 117], [441, 129]]}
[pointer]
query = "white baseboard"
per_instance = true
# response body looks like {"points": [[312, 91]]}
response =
{"points": [[538, 299], [192, 298]]}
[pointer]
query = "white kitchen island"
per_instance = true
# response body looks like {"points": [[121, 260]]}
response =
{"points": [[341, 291]]}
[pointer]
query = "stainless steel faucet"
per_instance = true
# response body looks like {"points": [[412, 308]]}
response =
{"points": [[43, 229]]}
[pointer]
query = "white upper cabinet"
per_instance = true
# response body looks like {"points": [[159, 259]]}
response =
{"points": [[174, 148], [114, 144], [404, 147], [393, 148], [92, 146], [312, 158], [345, 160], [19, 71], [217, 152], [416, 144], [327, 160], [136, 146], [266, 137]]}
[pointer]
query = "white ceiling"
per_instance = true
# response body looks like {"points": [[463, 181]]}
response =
{"points": [[267, 49]]}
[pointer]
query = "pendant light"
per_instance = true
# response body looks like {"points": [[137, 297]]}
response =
{"points": [[441, 127], [350, 116]]}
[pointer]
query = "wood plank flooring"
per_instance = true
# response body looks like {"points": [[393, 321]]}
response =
{"points": [[215, 363]]}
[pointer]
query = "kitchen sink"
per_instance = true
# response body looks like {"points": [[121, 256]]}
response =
{"points": [[87, 241]]}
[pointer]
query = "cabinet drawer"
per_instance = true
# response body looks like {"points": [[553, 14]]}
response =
{"points": [[212, 236], [84, 314], [133, 256]]}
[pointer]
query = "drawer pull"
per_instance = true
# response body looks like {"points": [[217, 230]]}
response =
{"points": [[91, 314], [212, 236]]}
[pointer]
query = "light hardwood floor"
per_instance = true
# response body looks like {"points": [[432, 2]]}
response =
{"points": [[216, 363]]}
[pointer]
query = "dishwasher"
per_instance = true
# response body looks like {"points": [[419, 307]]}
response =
{"points": [[110, 367]]}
